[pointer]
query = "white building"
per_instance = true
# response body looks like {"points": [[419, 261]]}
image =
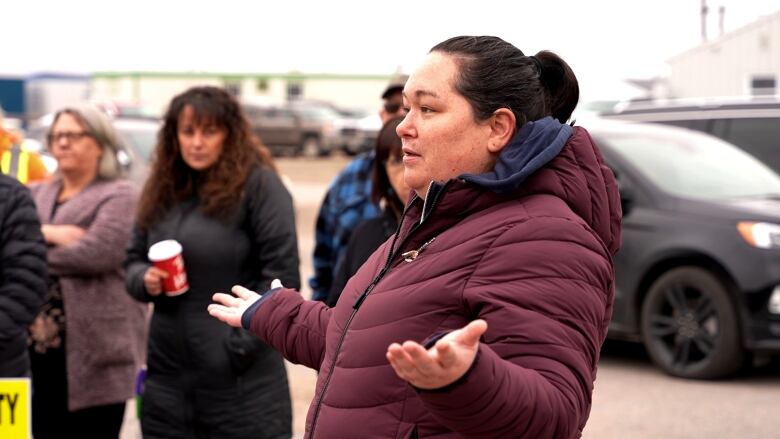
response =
{"points": [[155, 90], [742, 62]]}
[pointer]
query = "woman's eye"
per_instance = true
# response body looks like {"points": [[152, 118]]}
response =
{"points": [[426, 109]]}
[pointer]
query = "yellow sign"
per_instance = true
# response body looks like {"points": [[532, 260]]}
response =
{"points": [[15, 408]]}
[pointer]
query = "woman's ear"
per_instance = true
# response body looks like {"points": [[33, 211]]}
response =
{"points": [[502, 128]]}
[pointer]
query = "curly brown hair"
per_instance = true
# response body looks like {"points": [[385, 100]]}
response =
{"points": [[221, 186]]}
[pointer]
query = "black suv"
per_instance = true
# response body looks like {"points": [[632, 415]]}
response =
{"points": [[698, 272], [753, 124]]}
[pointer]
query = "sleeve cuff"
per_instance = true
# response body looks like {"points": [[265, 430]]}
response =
{"points": [[246, 317]]}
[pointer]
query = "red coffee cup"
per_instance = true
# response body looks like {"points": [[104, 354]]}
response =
{"points": [[166, 255]]}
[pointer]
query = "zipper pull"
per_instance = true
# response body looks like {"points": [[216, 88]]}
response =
{"points": [[411, 255]]}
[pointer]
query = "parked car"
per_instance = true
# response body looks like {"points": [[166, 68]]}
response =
{"points": [[363, 137], [753, 124], [357, 129], [698, 272], [125, 109], [297, 128], [140, 139], [319, 121], [279, 128]]}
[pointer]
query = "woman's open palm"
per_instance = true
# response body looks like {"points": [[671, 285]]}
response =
{"points": [[444, 363], [231, 308]]}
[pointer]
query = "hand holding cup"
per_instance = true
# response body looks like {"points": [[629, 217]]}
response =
{"points": [[153, 280], [166, 257]]}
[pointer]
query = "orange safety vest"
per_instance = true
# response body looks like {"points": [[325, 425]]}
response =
{"points": [[16, 163]]}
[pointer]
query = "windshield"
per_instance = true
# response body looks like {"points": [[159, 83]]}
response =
{"points": [[693, 165]]}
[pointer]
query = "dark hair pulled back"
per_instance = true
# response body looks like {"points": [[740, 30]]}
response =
{"points": [[495, 74]]}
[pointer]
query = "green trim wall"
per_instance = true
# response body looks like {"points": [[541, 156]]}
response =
{"points": [[241, 76]]}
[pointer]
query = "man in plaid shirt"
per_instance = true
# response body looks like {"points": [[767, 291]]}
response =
{"points": [[348, 203]]}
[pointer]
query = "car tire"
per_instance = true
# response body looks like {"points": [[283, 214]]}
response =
{"points": [[311, 147], [690, 325]]}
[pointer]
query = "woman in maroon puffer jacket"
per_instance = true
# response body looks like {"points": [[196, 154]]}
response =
{"points": [[484, 315]]}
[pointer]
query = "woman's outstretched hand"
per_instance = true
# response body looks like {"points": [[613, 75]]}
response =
{"points": [[231, 307], [444, 363]]}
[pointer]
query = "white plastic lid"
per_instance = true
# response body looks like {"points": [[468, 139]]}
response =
{"points": [[163, 250]]}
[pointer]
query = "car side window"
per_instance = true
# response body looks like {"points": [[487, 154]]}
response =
{"points": [[703, 125], [679, 123], [287, 114], [760, 137]]}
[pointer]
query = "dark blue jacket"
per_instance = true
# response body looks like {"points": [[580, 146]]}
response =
{"points": [[22, 274]]}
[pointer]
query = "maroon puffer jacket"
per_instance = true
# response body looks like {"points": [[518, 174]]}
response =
{"points": [[536, 265]]}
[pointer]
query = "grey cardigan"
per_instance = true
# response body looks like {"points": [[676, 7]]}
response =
{"points": [[105, 328]]}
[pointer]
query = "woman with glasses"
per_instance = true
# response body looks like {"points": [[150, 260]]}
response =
{"points": [[390, 193], [87, 343]]}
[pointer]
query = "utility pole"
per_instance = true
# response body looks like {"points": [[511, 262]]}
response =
{"points": [[704, 20]]}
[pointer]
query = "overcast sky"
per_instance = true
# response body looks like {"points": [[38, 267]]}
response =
{"points": [[604, 40]]}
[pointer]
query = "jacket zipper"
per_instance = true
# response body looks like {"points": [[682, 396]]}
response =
{"points": [[393, 252], [186, 374], [355, 308]]}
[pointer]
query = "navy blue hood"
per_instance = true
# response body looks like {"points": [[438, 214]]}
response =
{"points": [[532, 147]]}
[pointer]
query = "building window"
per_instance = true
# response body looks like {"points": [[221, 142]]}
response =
{"points": [[294, 90], [262, 85], [762, 85], [233, 87]]}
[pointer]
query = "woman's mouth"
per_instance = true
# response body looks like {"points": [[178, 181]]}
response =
{"points": [[409, 152]]}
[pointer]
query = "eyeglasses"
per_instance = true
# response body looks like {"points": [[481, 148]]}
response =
{"points": [[71, 136]]}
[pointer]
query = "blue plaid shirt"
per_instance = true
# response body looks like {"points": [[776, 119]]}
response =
{"points": [[347, 203]]}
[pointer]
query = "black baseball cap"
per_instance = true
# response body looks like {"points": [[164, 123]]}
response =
{"points": [[391, 90], [396, 85]]}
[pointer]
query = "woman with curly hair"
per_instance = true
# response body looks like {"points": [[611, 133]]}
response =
{"points": [[214, 189]]}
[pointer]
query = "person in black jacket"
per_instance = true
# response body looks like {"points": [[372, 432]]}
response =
{"points": [[214, 189], [388, 191], [22, 275]]}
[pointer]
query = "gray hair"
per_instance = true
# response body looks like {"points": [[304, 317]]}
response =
{"points": [[98, 126]]}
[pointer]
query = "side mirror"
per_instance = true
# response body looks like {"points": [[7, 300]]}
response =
{"points": [[627, 193], [627, 197], [124, 159]]}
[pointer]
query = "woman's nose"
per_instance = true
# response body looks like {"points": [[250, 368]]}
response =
{"points": [[405, 128], [197, 139], [62, 141]]}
